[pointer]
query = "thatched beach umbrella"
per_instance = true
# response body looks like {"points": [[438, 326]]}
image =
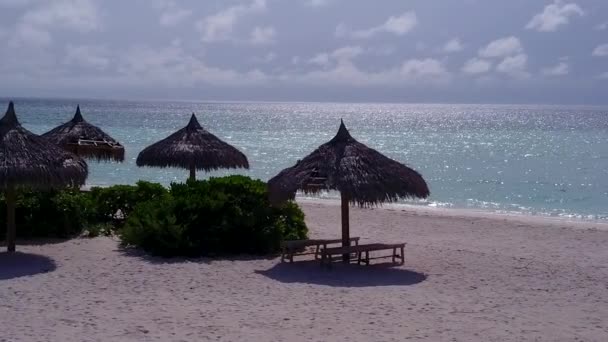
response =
{"points": [[192, 148], [362, 175], [86, 140], [27, 160]]}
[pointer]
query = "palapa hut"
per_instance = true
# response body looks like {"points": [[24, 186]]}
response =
{"points": [[362, 175], [86, 140], [27, 160], [192, 148]]}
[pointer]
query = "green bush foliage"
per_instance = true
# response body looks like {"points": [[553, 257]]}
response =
{"points": [[96, 229], [154, 227], [66, 213], [58, 214], [220, 216], [115, 203]]}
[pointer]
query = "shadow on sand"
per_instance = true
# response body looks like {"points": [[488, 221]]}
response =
{"points": [[37, 241], [340, 275], [141, 254], [15, 265]]}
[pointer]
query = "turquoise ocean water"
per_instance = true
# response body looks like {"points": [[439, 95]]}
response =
{"points": [[545, 160]]}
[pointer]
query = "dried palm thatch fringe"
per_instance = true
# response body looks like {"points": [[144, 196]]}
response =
{"points": [[27, 160], [86, 140], [361, 174], [194, 148], [30, 161]]}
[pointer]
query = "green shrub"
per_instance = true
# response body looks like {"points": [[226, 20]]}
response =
{"points": [[154, 227], [220, 216], [97, 229], [118, 201], [49, 214], [290, 218]]}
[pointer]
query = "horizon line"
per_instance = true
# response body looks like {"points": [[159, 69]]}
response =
{"points": [[86, 98]]}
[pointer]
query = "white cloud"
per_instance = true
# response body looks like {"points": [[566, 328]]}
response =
{"points": [[317, 3], [14, 3], [423, 69], [342, 74], [509, 49], [503, 47], [144, 66], [601, 27], [263, 35], [220, 26], [346, 73], [476, 66], [321, 59], [176, 42], [77, 15], [35, 26], [562, 68], [88, 56], [347, 53], [173, 66], [341, 55], [338, 67], [554, 15], [601, 51], [420, 46], [454, 45], [514, 66], [603, 76], [174, 17], [383, 50], [30, 35], [268, 58], [171, 13], [399, 26]]}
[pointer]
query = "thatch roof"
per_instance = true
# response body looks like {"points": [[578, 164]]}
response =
{"points": [[192, 147], [29, 160], [362, 174], [86, 140]]}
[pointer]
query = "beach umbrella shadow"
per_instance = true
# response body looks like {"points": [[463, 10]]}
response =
{"points": [[138, 253], [343, 275], [15, 265], [43, 241], [135, 252]]}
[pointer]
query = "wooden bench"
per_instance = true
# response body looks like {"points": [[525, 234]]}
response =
{"points": [[362, 252], [293, 247]]}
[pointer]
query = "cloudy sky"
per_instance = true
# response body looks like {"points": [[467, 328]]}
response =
{"points": [[449, 51]]}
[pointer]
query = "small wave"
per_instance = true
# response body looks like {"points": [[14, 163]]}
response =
{"points": [[487, 206]]}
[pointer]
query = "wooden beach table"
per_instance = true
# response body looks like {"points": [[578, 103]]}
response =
{"points": [[293, 247], [362, 252]]}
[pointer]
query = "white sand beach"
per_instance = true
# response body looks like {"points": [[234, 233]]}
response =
{"points": [[467, 277]]}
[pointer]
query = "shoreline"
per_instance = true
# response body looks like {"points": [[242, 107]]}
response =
{"points": [[527, 217], [578, 223]]}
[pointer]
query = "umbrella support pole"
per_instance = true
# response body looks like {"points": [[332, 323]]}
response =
{"points": [[345, 228], [192, 173], [11, 231]]}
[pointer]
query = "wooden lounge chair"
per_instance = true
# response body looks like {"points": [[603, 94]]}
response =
{"points": [[362, 252], [298, 247]]}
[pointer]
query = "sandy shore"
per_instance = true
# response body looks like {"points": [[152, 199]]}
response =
{"points": [[466, 277]]}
